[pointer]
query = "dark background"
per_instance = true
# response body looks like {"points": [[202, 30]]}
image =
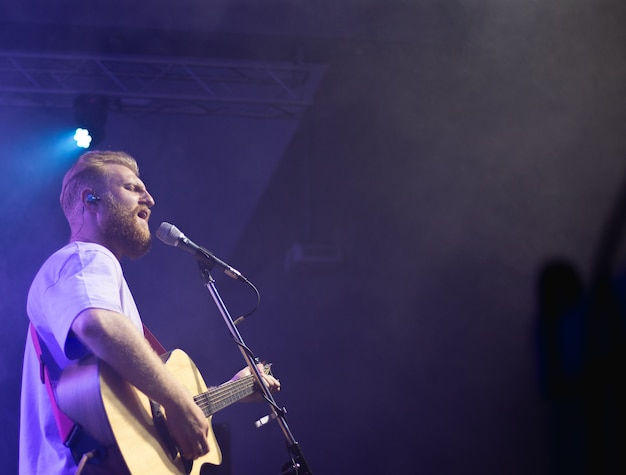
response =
{"points": [[450, 150]]}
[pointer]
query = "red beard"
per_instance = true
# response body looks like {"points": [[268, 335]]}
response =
{"points": [[123, 233]]}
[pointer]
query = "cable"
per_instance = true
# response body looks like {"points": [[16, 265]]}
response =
{"points": [[258, 302], [84, 459]]}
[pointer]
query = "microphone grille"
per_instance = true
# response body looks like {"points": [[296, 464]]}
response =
{"points": [[169, 234]]}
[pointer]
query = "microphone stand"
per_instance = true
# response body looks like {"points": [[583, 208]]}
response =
{"points": [[298, 464]]}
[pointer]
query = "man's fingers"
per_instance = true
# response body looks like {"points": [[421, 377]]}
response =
{"points": [[272, 382], [200, 450]]}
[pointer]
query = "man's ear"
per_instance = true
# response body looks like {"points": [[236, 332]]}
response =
{"points": [[90, 198]]}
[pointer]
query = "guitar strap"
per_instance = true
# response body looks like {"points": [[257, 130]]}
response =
{"points": [[73, 435], [154, 343], [64, 423]]}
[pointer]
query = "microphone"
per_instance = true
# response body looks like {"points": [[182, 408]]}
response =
{"points": [[172, 236]]}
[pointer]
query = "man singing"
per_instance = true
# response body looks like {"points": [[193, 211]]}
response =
{"points": [[80, 305]]}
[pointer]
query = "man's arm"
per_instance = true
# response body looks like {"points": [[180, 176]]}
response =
{"points": [[113, 339]]}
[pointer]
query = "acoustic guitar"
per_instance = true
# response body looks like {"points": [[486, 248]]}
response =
{"points": [[123, 420]]}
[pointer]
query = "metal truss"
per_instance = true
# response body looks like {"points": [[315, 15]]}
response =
{"points": [[160, 85]]}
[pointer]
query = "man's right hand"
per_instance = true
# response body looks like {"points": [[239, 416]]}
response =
{"points": [[189, 428]]}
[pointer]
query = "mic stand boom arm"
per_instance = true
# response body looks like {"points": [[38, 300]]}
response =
{"points": [[298, 464]]}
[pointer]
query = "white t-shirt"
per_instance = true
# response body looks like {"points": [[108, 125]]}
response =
{"points": [[77, 277]]}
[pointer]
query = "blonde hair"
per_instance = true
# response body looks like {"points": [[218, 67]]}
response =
{"points": [[90, 170]]}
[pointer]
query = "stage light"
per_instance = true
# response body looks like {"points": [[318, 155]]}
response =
{"points": [[90, 113], [82, 138]]}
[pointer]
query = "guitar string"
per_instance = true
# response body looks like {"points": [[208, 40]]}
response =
{"points": [[224, 391], [215, 396], [220, 394], [210, 407]]}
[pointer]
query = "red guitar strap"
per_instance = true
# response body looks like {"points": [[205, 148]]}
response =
{"points": [[64, 423], [154, 343]]}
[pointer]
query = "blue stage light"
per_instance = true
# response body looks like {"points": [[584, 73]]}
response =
{"points": [[82, 138], [90, 113]]}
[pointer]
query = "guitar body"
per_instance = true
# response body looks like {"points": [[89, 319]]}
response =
{"points": [[120, 417]]}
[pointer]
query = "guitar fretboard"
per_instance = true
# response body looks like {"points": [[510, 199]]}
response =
{"points": [[217, 398]]}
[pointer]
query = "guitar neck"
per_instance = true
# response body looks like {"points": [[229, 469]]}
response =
{"points": [[217, 398]]}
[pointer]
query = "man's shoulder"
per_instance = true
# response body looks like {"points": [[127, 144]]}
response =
{"points": [[81, 248], [77, 255]]}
